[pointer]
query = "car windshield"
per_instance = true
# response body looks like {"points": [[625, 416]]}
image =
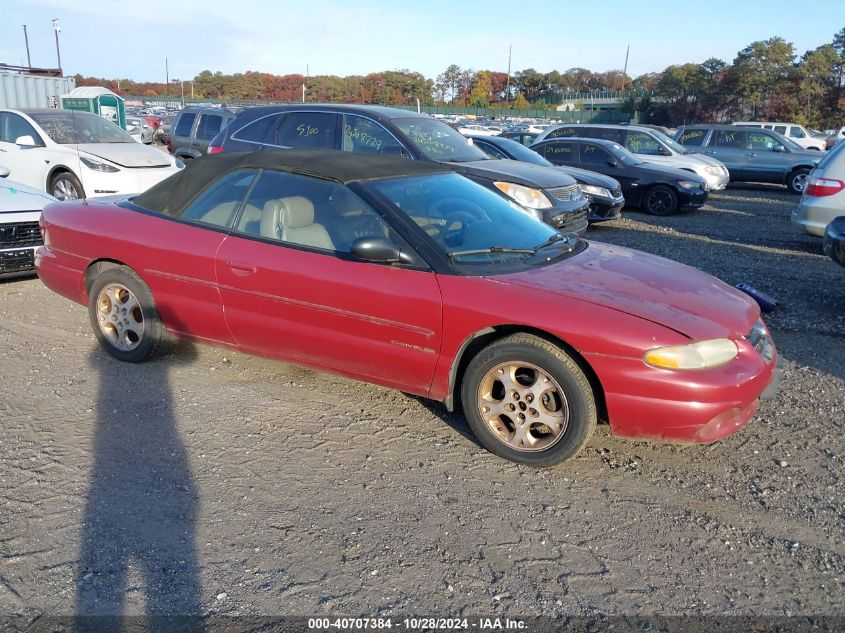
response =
{"points": [[623, 154], [469, 223], [674, 146], [437, 141], [67, 127], [520, 152]]}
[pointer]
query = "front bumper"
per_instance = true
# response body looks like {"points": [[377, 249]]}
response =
{"points": [[125, 181], [572, 217], [17, 262], [697, 407], [716, 183], [692, 198], [605, 209]]}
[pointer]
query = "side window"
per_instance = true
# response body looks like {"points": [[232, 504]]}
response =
{"points": [[13, 127], [363, 135], [796, 132], [780, 129], [209, 126], [731, 139], [617, 136], [692, 137], [307, 130], [186, 122], [259, 131], [762, 141], [593, 155], [642, 143], [488, 149], [561, 153], [528, 139], [219, 203], [310, 212], [565, 131]]}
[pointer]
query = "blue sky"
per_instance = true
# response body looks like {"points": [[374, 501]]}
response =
{"points": [[115, 39]]}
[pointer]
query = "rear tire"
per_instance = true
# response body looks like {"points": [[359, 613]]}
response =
{"points": [[797, 180], [528, 401], [123, 315], [660, 200]]}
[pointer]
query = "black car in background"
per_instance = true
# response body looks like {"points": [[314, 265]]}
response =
{"points": [[656, 189], [604, 192], [545, 192], [524, 138]]}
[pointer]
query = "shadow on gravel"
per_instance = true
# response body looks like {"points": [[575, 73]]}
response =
{"points": [[142, 504], [456, 420]]}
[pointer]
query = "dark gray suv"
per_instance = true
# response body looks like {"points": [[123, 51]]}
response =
{"points": [[193, 128], [545, 192], [751, 154]]}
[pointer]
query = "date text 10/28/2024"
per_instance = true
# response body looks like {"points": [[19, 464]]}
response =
{"points": [[413, 624]]}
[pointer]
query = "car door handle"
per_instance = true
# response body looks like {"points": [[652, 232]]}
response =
{"points": [[242, 269], [751, 153]]}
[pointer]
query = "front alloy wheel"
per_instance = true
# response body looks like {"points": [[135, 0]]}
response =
{"points": [[527, 400], [523, 405]]}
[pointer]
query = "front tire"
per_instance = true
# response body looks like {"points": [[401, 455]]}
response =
{"points": [[660, 200], [528, 401], [797, 181], [123, 315], [66, 186]]}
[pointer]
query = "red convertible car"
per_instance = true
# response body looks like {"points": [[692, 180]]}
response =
{"points": [[410, 276]]}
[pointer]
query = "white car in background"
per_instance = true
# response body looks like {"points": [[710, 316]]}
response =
{"points": [[481, 130], [77, 154], [20, 210]]}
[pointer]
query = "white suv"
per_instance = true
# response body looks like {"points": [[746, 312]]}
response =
{"points": [[20, 235], [793, 131]]}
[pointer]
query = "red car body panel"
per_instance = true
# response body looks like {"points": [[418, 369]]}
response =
{"points": [[376, 323], [406, 328]]}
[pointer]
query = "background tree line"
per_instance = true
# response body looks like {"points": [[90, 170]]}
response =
{"points": [[766, 80]]}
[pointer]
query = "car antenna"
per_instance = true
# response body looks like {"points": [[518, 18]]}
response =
{"points": [[78, 157]]}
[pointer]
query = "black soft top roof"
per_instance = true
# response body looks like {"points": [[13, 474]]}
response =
{"points": [[344, 167]]}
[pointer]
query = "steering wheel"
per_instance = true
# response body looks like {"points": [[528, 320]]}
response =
{"points": [[466, 213]]}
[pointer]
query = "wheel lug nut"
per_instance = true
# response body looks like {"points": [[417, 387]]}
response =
{"points": [[515, 395]]}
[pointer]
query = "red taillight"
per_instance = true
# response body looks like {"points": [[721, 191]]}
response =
{"points": [[215, 149], [823, 186]]}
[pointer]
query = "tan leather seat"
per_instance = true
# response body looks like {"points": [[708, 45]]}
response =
{"points": [[292, 219]]}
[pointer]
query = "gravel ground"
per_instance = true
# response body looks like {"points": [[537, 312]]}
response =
{"points": [[215, 483]]}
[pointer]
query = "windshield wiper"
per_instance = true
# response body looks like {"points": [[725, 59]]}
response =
{"points": [[555, 237], [492, 249]]}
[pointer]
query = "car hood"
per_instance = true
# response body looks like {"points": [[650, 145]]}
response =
{"points": [[128, 154], [659, 290], [704, 158], [670, 173], [18, 197], [591, 177], [515, 171]]}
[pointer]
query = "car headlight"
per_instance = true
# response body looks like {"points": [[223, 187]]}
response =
{"points": [[700, 355], [595, 191], [689, 184], [526, 196], [179, 164], [713, 170], [96, 165]]}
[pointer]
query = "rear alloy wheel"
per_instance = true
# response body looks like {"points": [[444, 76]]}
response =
{"points": [[528, 401], [797, 181], [660, 200], [123, 316], [66, 186]]}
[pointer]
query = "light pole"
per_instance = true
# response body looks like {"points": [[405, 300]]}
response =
{"points": [[181, 89], [57, 29]]}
